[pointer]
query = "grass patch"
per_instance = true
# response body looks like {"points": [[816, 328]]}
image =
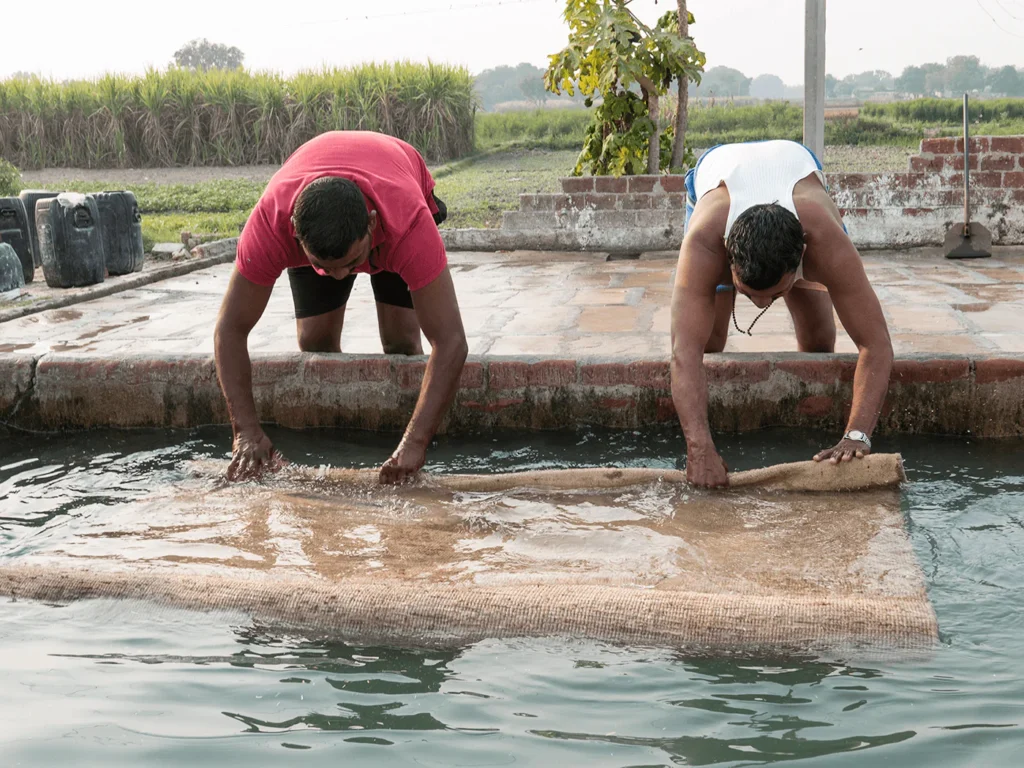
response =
{"points": [[167, 227], [202, 197], [902, 124], [478, 194], [208, 207], [948, 111], [541, 128], [564, 129]]}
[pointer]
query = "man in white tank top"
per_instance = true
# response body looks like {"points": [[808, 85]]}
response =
{"points": [[759, 222]]}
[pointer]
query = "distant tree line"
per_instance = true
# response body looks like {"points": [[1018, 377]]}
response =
{"points": [[523, 82], [959, 74]]}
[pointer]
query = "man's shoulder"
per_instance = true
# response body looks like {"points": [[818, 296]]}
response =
{"points": [[816, 210], [711, 214], [703, 250]]}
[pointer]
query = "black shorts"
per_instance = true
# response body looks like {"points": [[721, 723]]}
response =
{"points": [[314, 294]]}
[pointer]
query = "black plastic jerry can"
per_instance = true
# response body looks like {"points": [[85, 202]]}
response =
{"points": [[12, 276], [30, 197], [14, 232], [69, 240], [120, 231]]}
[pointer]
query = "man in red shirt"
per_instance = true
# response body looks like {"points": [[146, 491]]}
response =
{"points": [[343, 203]]}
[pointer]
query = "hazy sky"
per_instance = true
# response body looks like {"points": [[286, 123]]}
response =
{"points": [[755, 36]]}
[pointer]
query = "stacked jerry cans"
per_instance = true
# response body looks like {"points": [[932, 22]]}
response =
{"points": [[79, 239]]}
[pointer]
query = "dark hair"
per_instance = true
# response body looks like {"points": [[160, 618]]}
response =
{"points": [[330, 215], [766, 242]]}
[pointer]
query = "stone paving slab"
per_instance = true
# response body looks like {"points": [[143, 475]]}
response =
{"points": [[554, 305], [37, 296]]}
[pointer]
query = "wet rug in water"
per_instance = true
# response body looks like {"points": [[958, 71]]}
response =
{"points": [[796, 556]]}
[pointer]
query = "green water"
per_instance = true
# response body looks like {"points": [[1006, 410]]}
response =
{"points": [[98, 684]]}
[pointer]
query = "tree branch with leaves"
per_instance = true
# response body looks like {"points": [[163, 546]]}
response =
{"points": [[610, 56]]}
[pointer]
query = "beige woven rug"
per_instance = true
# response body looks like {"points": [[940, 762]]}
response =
{"points": [[781, 560]]}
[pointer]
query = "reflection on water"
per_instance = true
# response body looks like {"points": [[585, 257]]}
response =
{"points": [[97, 683]]}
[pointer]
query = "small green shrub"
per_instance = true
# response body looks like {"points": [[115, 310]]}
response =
{"points": [[10, 179]]}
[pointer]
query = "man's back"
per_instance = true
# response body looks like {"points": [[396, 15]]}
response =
{"points": [[391, 175]]}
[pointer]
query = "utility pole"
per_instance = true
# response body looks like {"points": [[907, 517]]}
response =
{"points": [[814, 77]]}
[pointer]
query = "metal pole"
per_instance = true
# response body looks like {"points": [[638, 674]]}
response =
{"points": [[814, 77], [967, 169]]}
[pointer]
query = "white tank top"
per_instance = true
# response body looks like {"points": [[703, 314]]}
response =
{"points": [[755, 173]]}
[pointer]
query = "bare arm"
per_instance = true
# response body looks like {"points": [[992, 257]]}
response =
{"points": [[861, 315], [437, 310], [242, 307], [693, 317]]}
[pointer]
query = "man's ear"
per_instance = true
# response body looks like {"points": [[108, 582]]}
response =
{"points": [[373, 220]]}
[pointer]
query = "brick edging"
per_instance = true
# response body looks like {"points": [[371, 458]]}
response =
{"points": [[981, 396]]}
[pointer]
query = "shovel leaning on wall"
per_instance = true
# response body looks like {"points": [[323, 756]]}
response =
{"points": [[969, 240]]}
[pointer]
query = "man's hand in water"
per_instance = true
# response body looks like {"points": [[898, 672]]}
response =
{"points": [[405, 462], [252, 454], [705, 468], [845, 450]]}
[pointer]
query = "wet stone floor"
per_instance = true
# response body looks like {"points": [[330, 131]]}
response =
{"points": [[554, 304]]}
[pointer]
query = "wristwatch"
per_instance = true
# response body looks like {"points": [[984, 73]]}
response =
{"points": [[858, 437]]}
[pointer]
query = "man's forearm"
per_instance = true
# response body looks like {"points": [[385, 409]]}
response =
{"points": [[234, 370], [870, 384], [440, 382], [690, 395]]}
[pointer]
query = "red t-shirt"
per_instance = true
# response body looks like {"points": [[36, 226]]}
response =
{"points": [[396, 183]]}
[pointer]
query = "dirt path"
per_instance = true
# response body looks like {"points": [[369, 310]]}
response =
{"points": [[126, 177]]}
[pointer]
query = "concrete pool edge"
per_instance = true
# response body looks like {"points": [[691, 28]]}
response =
{"points": [[982, 396]]}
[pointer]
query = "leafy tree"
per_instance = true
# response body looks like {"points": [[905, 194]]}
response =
{"points": [[725, 82], [610, 52], [201, 54], [964, 74], [1006, 80], [912, 81], [767, 87], [934, 78], [533, 89], [501, 84], [875, 80], [831, 83]]}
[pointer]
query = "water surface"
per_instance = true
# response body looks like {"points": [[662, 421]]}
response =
{"points": [[94, 683]]}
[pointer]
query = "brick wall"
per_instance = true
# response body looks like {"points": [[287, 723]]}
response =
{"points": [[881, 210], [919, 206], [603, 213], [982, 397]]}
